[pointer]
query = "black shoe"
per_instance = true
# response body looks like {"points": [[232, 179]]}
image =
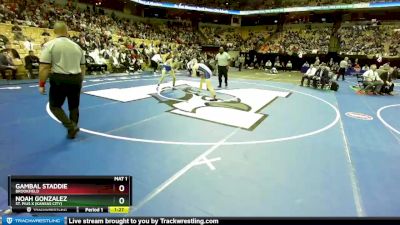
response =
{"points": [[72, 133], [219, 86], [213, 99]]}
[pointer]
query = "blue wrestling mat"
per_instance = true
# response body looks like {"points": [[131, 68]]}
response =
{"points": [[262, 149]]}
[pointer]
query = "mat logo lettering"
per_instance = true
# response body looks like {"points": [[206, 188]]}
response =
{"points": [[235, 107]]}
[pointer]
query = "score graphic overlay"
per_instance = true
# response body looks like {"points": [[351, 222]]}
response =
{"points": [[75, 194]]}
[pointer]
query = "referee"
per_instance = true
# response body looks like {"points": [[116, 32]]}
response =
{"points": [[63, 61], [343, 67], [222, 59]]}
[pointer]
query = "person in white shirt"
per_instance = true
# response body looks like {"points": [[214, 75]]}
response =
{"points": [[342, 68], [372, 80], [289, 66], [115, 58], [268, 65], [28, 44], [365, 68], [317, 61], [155, 60], [223, 60], [308, 75], [274, 70]]}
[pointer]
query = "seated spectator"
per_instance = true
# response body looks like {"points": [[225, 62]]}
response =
{"points": [[7, 64], [306, 64], [335, 68], [277, 65], [289, 66], [308, 75], [31, 62], [115, 60], [387, 77], [365, 68], [372, 80], [95, 62], [123, 59], [133, 65], [251, 67], [321, 76], [13, 53], [268, 65], [3, 41], [357, 68]]}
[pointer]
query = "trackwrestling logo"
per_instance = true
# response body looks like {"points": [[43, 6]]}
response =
{"points": [[236, 107], [34, 220]]}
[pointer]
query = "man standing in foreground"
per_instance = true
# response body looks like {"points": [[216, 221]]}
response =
{"points": [[63, 61], [223, 59]]}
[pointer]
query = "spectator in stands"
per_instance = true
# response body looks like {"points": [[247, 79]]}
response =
{"points": [[17, 32], [365, 67], [3, 41], [28, 44], [372, 80], [6, 63], [115, 60], [308, 75], [14, 53], [31, 63], [306, 64], [95, 62]]}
